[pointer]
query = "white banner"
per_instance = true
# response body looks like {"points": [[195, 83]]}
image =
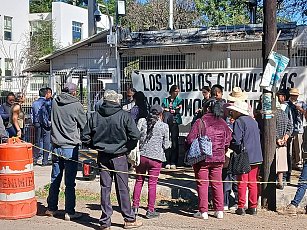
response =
{"points": [[156, 84], [276, 65]]}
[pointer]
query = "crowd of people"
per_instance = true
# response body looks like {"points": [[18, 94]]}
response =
{"points": [[62, 126]]}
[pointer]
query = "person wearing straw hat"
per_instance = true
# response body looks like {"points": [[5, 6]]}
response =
{"points": [[113, 133], [246, 132], [298, 109], [236, 95]]}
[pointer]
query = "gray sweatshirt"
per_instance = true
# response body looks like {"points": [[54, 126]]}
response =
{"points": [[67, 118]]}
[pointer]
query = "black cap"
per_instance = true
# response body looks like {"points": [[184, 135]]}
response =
{"points": [[156, 108]]}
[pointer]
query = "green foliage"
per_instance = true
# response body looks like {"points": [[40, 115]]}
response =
{"points": [[110, 5], [292, 10], [40, 6], [41, 42], [223, 12], [45, 6], [154, 15]]}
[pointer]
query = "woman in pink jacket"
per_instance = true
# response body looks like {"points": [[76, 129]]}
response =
{"points": [[211, 168]]}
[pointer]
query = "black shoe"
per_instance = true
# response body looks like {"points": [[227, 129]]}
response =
{"points": [[240, 211], [251, 211], [136, 211], [150, 215], [280, 186]]}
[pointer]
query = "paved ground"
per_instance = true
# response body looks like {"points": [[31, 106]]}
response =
{"points": [[173, 217], [174, 214]]}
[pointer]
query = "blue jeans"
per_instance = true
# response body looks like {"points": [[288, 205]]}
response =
{"points": [[42, 140], [302, 186], [71, 168]]}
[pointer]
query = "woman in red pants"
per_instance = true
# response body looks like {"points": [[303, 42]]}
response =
{"points": [[246, 132]]}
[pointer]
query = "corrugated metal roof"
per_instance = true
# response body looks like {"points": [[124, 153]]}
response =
{"points": [[204, 35]]}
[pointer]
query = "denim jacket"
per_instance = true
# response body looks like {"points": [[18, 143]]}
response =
{"points": [[297, 116], [35, 109]]}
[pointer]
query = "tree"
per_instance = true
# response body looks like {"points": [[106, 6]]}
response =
{"points": [[41, 42], [154, 14], [223, 12], [40, 6], [293, 10], [45, 6]]}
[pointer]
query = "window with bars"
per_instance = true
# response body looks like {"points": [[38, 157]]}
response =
{"points": [[8, 66], [76, 31], [8, 28]]}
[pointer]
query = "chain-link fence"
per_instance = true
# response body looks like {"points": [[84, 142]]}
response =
{"points": [[30, 87]]}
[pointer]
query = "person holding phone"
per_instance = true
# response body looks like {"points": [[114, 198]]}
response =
{"points": [[172, 117]]}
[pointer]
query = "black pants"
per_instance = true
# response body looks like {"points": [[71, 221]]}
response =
{"points": [[173, 153], [121, 185], [229, 201]]}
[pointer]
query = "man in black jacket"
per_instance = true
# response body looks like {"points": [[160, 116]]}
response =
{"points": [[113, 133]]}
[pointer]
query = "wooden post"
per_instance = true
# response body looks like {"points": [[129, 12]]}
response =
{"points": [[269, 132]]}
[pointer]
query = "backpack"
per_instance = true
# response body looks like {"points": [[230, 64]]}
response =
{"points": [[44, 114]]}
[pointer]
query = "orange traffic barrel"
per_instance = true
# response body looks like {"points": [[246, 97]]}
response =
{"points": [[17, 190]]}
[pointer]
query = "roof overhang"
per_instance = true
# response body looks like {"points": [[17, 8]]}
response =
{"points": [[41, 67], [97, 38]]}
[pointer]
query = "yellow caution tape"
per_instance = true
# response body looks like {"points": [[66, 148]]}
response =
{"points": [[103, 168]]}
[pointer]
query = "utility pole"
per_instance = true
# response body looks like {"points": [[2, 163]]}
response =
{"points": [[269, 132], [91, 7], [171, 14]]}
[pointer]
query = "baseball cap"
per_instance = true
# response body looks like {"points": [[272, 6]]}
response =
{"points": [[72, 87]]}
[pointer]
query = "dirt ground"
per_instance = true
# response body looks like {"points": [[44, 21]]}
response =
{"points": [[173, 216]]}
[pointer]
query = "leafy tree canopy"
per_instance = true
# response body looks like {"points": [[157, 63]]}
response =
{"points": [[223, 12]]}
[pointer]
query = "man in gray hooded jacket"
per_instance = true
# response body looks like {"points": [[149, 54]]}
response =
{"points": [[68, 119]]}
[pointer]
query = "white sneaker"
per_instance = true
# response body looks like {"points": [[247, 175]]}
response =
{"points": [[233, 208], [200, 215], [168, 166], [226, 208], [173, 166], [219, 214], [70, 217]]}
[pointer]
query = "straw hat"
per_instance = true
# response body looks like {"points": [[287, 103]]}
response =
{"points": [[294, 92], [237, 95], [240, 106]]}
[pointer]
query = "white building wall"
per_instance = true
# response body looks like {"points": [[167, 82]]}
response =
{"points": [[19, 11], [64, 14], [97, 57]]}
